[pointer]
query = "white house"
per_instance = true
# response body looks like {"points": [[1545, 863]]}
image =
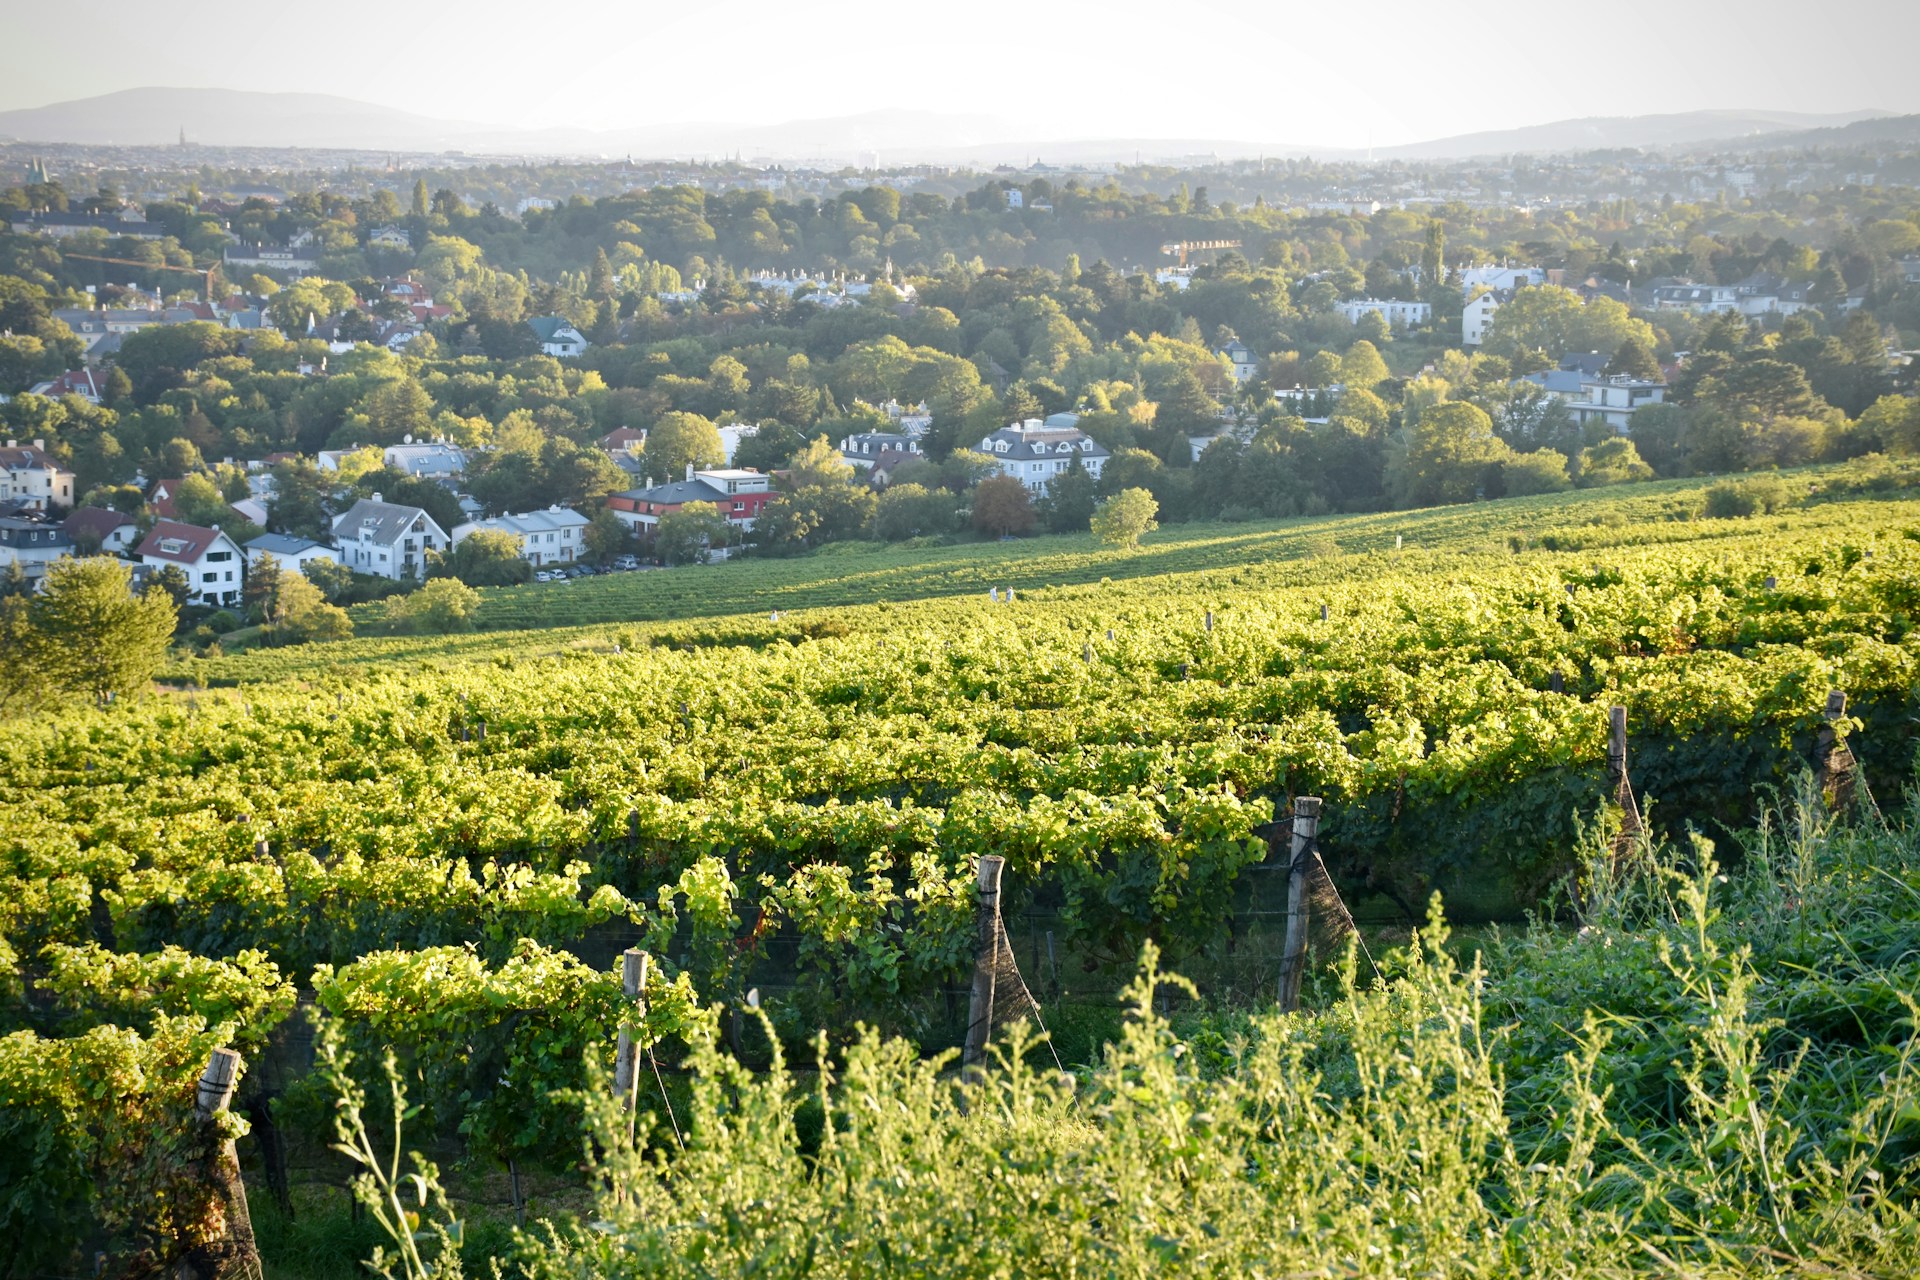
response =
{"points": [[386, 539], [1241, 361], [864, 449], [1476, 316], [1505, 279], [114, 531], [288, 552], [1593, 397], [30, 480], [554, 536], [558, 337], [213, 562], [32, 544], [434, 460], [1701, 299], [1034, 453], [1397, 314]]}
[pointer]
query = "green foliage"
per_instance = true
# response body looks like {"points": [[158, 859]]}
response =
{"points": [[1673, 1090], [1121, 519]]}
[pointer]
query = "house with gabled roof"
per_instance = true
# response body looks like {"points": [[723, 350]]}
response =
{"points": [[288, 551], [213, 562], [386, 539], [558, 337], [31, 480], [554, 536], [74, 382], [111, 531]]}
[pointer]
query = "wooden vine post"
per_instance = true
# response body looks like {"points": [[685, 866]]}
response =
{"points": [[1293, 958], [1833, 763], [238, 1254], [1620, 782], [986, 952], [626, 1056]]}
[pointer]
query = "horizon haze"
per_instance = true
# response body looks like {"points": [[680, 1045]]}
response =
{"points": [[1294, 80]]}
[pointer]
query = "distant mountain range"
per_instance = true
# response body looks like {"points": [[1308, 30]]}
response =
{"points": [[240, 118]]}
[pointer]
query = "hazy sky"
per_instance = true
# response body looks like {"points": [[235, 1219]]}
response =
{"points": [[1332, 74]]}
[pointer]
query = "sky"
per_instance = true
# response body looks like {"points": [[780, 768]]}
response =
{"points": [[1337, 75]]}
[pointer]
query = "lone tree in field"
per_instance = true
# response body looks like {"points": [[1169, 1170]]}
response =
{"points": [[101, 638], [1122, 518]]}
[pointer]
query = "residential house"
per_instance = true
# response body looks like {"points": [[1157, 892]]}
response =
{"points": [[289, 552], [739, 495], [630, 441], [1397, 314], [554, 536], [1477, 315], [111, 531], [558, 337], [1910, 269], [864, 449], [1034, 453], [160, 498], [1241, 361], [882, 472], [213, 562], [1701, 299], [390, 238], [30, 479], [732, 434], [1499, 278], [101, 328], [1765, 294], [74, 382], [32, 544], [435, 460], [1595, 397], [386, 539]]}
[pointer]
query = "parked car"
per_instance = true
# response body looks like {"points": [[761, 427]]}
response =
{"points": [[543, 576], [626, 562]]}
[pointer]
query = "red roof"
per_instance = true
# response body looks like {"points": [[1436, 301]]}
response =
{"points": [[99, 521], [161, 496], [180, 543], [621, 437]]}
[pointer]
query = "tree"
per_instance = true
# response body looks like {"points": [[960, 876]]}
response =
{"points": [[263, 585], [301, 613], [1613, 461], [1633, 359], [485, 558], [1891, 424], [910, 511], [1121, 519], [101, 639], [679, 440], [818, 463], [24, 654], [688, 535], [1542, 471], [1555, 321], [443, 605], [1070, 499], [1451, 455], [1002, 507], [333, 578], [1362, 368], [606, 536]]}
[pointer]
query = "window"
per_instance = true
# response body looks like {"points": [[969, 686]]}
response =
{"points": [[219, 555]]}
